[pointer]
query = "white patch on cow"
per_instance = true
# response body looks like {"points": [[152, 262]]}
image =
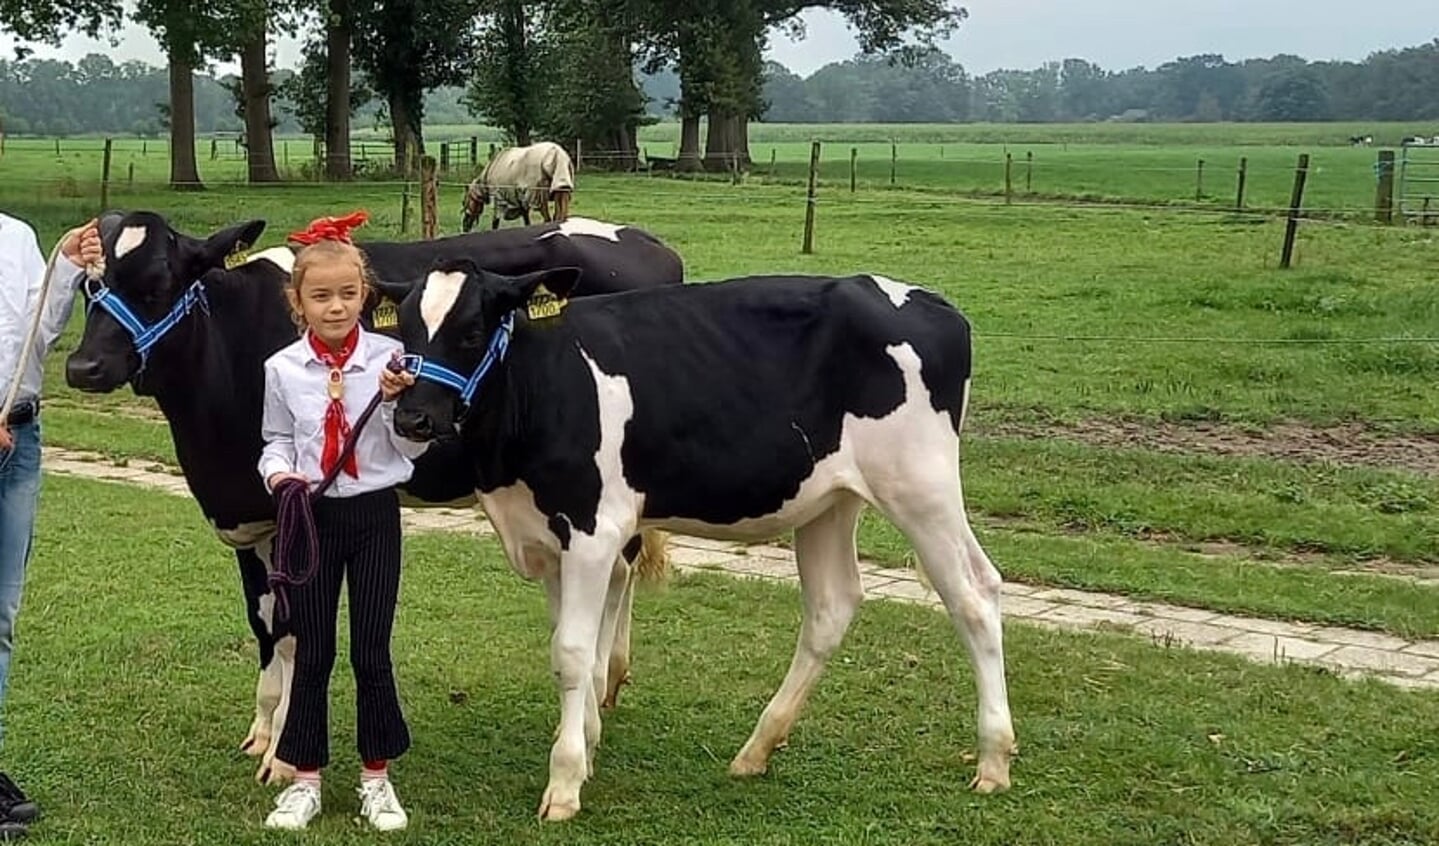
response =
{"points": [[130, 238], [585, 226], [897, 292], [618, 501], [281, 257], [523, 531], [441, 292]]}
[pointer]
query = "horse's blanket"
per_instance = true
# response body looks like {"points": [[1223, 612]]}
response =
{"points": [[523, 177]]}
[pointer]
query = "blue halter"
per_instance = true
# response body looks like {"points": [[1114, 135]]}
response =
{"points": [[442, 375], [145, 337]]}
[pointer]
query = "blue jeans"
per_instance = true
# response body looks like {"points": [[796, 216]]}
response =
{"points": [[19, 493]]}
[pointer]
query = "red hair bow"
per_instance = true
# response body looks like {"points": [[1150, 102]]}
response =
{"points": [[330, 228]]}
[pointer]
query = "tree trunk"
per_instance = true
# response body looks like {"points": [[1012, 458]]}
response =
{"points": [[718, 141], [184, 172], [407, 141], [255, 84], [689, 159], [337, 104], [727, 140]]}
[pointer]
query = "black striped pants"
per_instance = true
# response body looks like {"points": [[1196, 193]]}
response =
{"points": [[359, 542]]}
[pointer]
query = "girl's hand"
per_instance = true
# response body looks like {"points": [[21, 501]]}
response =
{"points": [[276, 478], [393, 384]]}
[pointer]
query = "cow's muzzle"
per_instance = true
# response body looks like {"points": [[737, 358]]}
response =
{"points": [[88, 374]]}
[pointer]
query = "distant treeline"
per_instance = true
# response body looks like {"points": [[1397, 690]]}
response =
{"points": [[96, 95], [1394, 85]]}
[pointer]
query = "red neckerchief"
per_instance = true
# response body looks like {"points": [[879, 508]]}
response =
{"points": [[337, 428]]}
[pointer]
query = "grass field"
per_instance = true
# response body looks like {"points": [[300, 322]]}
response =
{"points": [[1158, 411], [134, 676], [1139, 163]]}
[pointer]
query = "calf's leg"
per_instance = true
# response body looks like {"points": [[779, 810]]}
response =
{"points": [[824, 552]]}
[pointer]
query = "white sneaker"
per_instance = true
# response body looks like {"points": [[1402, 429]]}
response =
{"points": [[380, 806], [295, 806]]}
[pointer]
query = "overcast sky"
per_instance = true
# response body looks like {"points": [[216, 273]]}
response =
{"points": [[1116, 34]]}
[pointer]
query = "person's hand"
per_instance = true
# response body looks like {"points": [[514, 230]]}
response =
{"points": [[7, 440], [81, 245], [393, 384], [276, 478]]}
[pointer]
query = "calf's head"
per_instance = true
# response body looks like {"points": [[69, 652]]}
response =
{"points": [[456, 326], [149, 267]]}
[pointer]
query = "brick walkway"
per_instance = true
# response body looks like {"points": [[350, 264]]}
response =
{"points": [[1348, 652]]}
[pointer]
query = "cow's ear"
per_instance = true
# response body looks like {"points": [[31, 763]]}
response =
{"points": [[559, 281], [395, 291], [225, 243]]}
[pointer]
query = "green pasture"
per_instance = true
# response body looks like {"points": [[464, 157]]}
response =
{"points": [[1105, 163], [134, 683], [138, 672]]}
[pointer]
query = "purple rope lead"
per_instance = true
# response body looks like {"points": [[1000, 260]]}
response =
{"points": [[295, 514]]}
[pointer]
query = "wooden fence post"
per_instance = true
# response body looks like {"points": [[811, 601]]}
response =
{"points": [[214, 148], [808, 246], [57, 146], [492, 152], [445, 157], [1008, 184], [1296, 200], [405, 210], [853, 164], [579, 154], [474, 150], [429, 199], [1199, 182], [1243, 175], [771, 161], [105, 179], [1029, 171], [131, 179], [1384, 193], [893, 159]]}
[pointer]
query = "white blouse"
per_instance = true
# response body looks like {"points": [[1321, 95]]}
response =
{"points": [[296, 396]]}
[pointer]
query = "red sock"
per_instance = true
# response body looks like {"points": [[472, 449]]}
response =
{"points": [[375, 770]]}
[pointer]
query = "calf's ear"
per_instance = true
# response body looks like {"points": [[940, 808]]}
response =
{"points": [[215, 249], [513, 292]]}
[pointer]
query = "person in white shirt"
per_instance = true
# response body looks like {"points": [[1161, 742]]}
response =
{"points": [[22, 274], [315, 389]]}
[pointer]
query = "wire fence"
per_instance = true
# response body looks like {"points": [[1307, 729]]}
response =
{"points": [[1348, 184]]}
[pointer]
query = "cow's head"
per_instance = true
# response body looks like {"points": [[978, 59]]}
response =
{"points": [[456, 326], [149, 268], [474, 203]]}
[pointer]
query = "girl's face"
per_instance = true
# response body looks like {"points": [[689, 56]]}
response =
{"points": [[330, 297]]}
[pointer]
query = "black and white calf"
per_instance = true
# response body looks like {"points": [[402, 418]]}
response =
{"points": [[737, 410], [173, 321]]}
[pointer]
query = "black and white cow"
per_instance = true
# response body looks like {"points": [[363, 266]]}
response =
{"points": [[206, 373], [737, 410]]}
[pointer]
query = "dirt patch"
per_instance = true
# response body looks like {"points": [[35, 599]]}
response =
{"points": [[1354, 445], [1416, 572]]}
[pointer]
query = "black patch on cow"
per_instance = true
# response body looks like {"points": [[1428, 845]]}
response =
{"points": [[631, 550], [560, 528], [739, 389], [254, 583]]}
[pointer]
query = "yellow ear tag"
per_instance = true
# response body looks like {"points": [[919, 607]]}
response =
{"points": [[386, 315], [543, 304], [236, 258]]}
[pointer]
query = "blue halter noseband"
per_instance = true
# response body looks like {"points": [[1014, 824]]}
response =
{"points": [[144, 336], [442, 375]]}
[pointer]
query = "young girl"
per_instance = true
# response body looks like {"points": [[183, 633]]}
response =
{"points": [[314, 388]]}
